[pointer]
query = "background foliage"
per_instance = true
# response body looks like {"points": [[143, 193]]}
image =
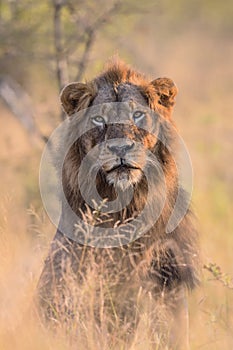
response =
{"points": [[189, 41]]}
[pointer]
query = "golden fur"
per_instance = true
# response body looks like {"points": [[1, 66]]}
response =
{"points": [[162, 264]]}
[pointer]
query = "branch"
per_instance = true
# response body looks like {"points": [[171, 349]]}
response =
{"points": [[85, 56], [218, 275], [105, 17], [61, 61], [91, 33], [20, 105]]}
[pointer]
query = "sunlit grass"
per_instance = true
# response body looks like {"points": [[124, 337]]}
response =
{"points": [[211, 313], [25, 231]]}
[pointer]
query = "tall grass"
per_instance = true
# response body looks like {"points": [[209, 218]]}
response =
{"points": [[20, 325], [202, 68]]}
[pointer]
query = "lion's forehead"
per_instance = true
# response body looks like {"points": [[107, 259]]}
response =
{"points": [[105, 94], [123, 92], [127, 92]]}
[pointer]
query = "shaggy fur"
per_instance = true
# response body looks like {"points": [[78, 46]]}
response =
{"points": [[156, 264]]}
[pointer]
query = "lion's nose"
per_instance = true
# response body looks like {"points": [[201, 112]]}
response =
{"points": [[120, 151]]}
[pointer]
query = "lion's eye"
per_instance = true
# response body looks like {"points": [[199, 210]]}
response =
{"points": [[138, 115], [98, 120]]}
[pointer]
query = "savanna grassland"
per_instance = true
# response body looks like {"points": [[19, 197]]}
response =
{"points": [[191, 42]]}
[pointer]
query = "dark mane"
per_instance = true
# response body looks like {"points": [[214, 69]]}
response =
{"points": [[118, 72], [166, 153], [160, 262]]}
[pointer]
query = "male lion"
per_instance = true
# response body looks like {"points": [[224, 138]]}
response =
{"points": [[133, 270]]}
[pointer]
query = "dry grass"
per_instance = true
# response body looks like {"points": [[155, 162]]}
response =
{"points": [[204, 117], [20, 323]]}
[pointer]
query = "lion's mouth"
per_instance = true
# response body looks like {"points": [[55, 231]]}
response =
{"points": [[123, 174], [122, 167]]}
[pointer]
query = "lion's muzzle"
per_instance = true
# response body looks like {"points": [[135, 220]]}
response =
{"points": [[121, 150]]}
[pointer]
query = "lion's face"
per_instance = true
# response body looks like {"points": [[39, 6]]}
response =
{"points": [[123, 129], [124, 132]]}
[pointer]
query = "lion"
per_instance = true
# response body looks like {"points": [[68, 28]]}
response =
{"points": [[129, 147]]}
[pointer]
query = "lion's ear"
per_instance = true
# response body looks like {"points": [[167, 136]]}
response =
{"points": [[166, 90], [77, 96]]}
